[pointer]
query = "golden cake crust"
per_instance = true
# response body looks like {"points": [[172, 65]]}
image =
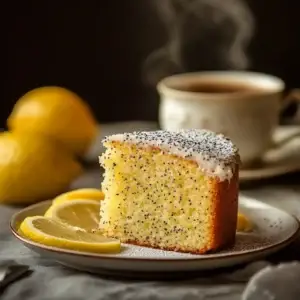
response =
{"points": [[226, 209]]}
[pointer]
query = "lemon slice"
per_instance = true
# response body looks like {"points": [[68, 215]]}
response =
{"points": [[81, 213], [87, 193], [82, 194], [53, 233], [243, 223]]}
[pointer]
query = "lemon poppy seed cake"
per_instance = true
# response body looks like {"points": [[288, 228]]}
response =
{"points": [[170, 190]]}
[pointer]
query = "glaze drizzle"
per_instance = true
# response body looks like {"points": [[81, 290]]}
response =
{"points": [[215, 154]]}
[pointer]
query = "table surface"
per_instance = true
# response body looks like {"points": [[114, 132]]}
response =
{"points": [[51, 281]]}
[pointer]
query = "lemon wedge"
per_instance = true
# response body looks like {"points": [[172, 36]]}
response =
{"points": [[87, 193], [81, 214], [53, 233], [243, 223]]}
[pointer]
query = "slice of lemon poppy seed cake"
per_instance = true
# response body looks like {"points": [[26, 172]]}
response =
{"points": [[170, 190]]}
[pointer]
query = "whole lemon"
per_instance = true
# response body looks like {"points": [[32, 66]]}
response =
{"points": [[58, 113], [33, 168]]}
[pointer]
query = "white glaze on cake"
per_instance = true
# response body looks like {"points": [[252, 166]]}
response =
{"points": [[215, 154]]}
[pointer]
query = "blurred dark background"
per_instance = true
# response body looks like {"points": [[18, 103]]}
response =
{"points": [[97, 48]]}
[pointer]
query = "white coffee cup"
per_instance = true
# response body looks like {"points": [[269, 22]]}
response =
{"points": [[245, 106]]}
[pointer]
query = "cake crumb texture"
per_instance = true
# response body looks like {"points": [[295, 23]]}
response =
{"points": [[162, 200]]}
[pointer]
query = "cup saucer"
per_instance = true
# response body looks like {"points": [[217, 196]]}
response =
{"points": [[281, 159]]}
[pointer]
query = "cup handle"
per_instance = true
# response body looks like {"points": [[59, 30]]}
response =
{"points": [[292, 96]]}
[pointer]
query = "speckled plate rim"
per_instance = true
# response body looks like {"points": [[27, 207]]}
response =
{"points": [[15, 219]]}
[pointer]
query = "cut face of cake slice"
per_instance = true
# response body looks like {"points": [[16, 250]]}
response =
{"points": [[170, 190]]}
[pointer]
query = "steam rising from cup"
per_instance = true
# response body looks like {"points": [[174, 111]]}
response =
{"points": [[202, 35]]}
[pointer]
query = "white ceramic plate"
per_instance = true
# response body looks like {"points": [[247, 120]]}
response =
{"points": [[274, 229]]}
